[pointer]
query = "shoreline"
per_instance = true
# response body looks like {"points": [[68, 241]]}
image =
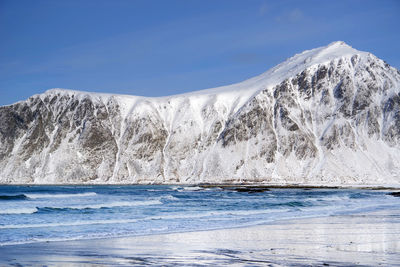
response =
{"points": [[104, 239], [371, 238], [231, 185]]}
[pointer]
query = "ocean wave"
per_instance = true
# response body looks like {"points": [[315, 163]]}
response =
{"points": [[76, 223], [293, 204], [187, 188], [213, 214], [35, 196], [100, 206], [329, 198], [19, 211], [97, 235], [191, 189], [55, 239], [13, 197], [169, 197]]}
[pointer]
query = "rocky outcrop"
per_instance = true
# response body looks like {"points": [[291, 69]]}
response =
{"points": [[328, 116]]}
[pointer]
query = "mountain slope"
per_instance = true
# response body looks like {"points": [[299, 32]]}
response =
{"points": [[327, 116]]}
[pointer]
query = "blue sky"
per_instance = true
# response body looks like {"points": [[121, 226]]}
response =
{"points": [[156, 48]]}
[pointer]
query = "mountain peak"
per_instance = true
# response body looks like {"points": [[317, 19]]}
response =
{"points": [[323, 54], [301, 61], [337, 49], [270, 78], [338, 44]]}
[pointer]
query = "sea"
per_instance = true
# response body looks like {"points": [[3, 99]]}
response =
{"points": [[30, 214]]}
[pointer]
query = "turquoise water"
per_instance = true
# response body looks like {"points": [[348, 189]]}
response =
{"points": [[30, 214]]}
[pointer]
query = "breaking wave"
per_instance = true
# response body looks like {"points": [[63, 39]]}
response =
{"points": [[100, 206], [13, 197], [19, 211], [79, 207], [162, 217], [169, 197], [35, 196], [77, 223]]}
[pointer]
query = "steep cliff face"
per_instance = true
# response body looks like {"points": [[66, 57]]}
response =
{"points": [[327, 116]]}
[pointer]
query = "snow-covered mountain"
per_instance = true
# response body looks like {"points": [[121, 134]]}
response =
{"points": [[327, 116]]}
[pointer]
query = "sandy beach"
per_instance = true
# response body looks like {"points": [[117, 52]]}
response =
{"points": [[367, 239]]}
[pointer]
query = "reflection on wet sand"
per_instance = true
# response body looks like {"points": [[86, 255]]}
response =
{"points": [[364, 239]]}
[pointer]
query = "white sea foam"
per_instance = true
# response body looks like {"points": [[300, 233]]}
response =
{"points": [[19, 211], [35, 196], [66, 218], [189, 189], [78, 207], [36, 240], [76, 223], [170, 197], [78, 237], [214, 214], [119, 204]]}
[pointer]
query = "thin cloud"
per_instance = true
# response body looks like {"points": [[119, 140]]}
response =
{"points": [[263, 9], [294, 15], [247, 58]]}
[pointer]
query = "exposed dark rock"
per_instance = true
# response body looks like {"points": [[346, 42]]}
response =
{"points": [[395, 194]]}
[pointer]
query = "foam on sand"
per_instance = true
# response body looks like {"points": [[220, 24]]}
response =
{"points": [[365, 239]]}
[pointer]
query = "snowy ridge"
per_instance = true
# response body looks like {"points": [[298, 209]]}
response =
{"points": [[320, 117], [235, 95]]}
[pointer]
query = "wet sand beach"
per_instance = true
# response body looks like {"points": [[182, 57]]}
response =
{"points": [[367, 239]]}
